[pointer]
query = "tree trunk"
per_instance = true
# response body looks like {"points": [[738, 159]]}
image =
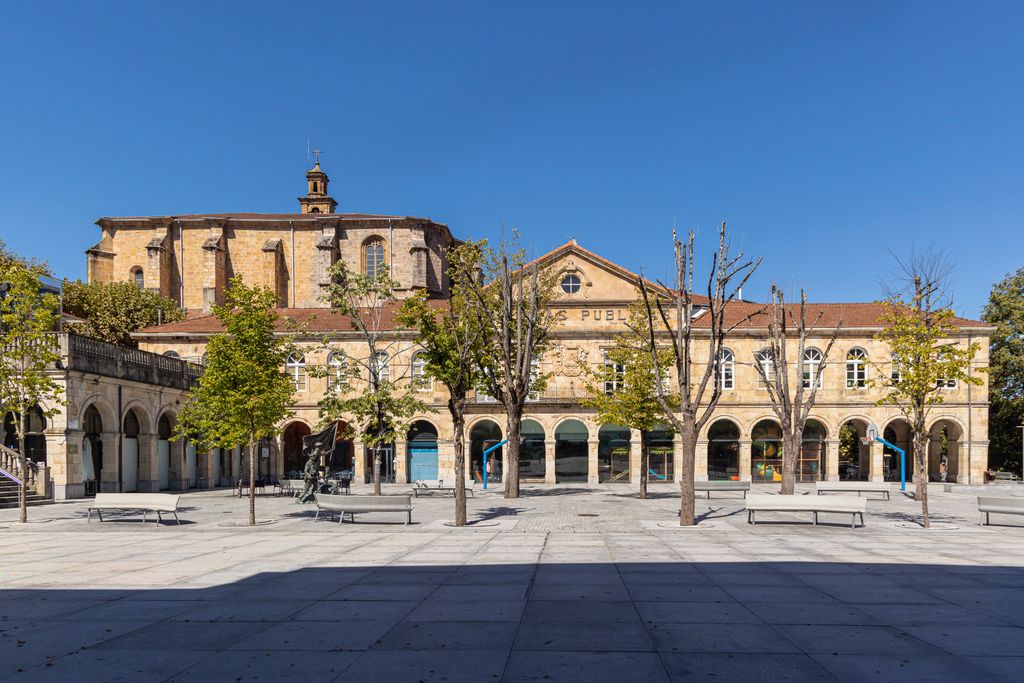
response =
{"points": [[921, 473], [687, 506], [790, 447], [376, 470], [23, 475], [643, 464], [252, 483], [456, 407], [514, 429]]}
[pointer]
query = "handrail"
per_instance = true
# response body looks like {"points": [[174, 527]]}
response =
{"points": [[10, 476]]}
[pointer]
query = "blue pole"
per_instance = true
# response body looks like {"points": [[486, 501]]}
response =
{"points": [[486, 451], [903, 461]]}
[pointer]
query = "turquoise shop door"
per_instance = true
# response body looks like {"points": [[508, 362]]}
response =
{"points": [[423, 461]]}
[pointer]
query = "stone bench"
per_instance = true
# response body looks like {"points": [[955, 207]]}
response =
{"points": [[423, 485], [146, 502], [848, 486], [349, 505], [814, 504], [722, 485], [1003, 506]]}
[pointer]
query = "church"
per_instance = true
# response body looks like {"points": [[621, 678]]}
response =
{"points": [[190, 257]]}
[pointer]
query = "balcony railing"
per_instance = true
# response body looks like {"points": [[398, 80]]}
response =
{"points": [[559, 395], [110, 360]]}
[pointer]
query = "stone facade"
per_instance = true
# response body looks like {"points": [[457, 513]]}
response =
{"points": [[736, 443]]}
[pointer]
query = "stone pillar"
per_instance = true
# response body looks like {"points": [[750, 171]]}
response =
{"points": [[832, 460], [875, 469], [745, 457], [177, 449], [549, 462], [700, 470], [975, 468], [401, 463], [635, 446], [677, 459], [109, 480], [214, 277], [592, 474], [359, 473], [65, 462], [148, 480], [274, 272], [446, 460], [323, 258]]}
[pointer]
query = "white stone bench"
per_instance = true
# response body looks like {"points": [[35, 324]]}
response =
{"points": [[423, 485], [848, 486], [722, 485], [349, 505], [146, 502], [1003, 506], [814, 504]]}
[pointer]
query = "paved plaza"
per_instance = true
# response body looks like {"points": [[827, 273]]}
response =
{"points": [[565, 583]]}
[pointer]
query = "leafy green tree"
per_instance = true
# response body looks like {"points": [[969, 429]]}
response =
{"points": [[918, 327], [1005, 310], [114, 310], [453, 335], [513, 298], [625, 390], [28, 351], [383, 407], [243, 393]]}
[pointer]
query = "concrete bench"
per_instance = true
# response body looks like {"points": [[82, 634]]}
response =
{"points": [[1004, 476], [349, 505], [848, 486], [839, 505], [423, 485], [1003, 506], [146, 502], [722, 485]]}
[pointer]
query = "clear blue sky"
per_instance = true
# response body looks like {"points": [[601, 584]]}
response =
{"points": [[826, 134]]}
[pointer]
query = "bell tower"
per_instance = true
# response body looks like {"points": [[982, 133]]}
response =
{"points": [[317, 200]]}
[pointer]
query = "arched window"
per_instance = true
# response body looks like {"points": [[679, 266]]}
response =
{"points": [[336, 365], [316, 186], [315, 209], [856, 369], [138, 278], [766, 362], [296, 368], [419, 373], [727, 368], [373, 256], [614, 374], [812, 368], [383, 367]]}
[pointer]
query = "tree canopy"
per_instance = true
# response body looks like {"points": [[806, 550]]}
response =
{"points": [[114, 310], [1005, 310]]}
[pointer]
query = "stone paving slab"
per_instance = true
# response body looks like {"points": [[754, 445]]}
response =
{"points": [[545, 594]]}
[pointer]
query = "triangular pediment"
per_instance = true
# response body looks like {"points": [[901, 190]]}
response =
{"points": [[600, 281]]}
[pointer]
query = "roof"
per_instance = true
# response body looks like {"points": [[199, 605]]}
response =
{"points": [[252, 216], [822, 315], [310, 320]]}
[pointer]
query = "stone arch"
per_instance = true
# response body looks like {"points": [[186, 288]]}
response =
{"points": [[164, 430], [572, 450], [291, 440], [134, 425], [897, 430], [147, 425], [945, 449], [737, 422], [106, 411], [854, 455], [810, 464], [578, 418], [748, 426], [723, 436], [484, 433]]}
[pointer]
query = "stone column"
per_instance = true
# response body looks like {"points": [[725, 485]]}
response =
{"points": [[592, 474], [875, 468], [148, 481], [358, 461], [549, 462], [635, 446], [677, 459], [65, 462], [446, 460], [745, 456], [109, 481], [700, 470], [832, 460], [401, 463]]}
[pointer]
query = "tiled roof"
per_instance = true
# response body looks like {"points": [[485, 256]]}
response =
{"points": [[266, 217], [826, 316]]}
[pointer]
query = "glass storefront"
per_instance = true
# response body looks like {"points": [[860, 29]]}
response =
{"points": [[766, 452], [723, 451], [531, 451], [613, 454], [571, 452], [660, 455]]}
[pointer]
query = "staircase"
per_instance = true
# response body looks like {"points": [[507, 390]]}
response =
{"points": [[9, 495]]}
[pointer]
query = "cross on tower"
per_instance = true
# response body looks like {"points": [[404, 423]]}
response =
{"points": [[316, 155]]}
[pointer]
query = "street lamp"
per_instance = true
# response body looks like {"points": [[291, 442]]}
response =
{"points": [[872, 435]]}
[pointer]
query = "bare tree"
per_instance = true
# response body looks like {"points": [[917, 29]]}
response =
{"points": [[792, 401], [513, 297], [699, 388]]}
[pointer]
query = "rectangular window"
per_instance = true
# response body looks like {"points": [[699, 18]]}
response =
{"points": [[614, 374]]}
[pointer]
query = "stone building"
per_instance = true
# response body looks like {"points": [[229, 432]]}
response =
{"points": [[190, 258]]}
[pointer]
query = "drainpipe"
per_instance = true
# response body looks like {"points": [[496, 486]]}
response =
{"points": [[120, 441], [391, 249], [181, 264], [970, 415], [291, 225]]}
